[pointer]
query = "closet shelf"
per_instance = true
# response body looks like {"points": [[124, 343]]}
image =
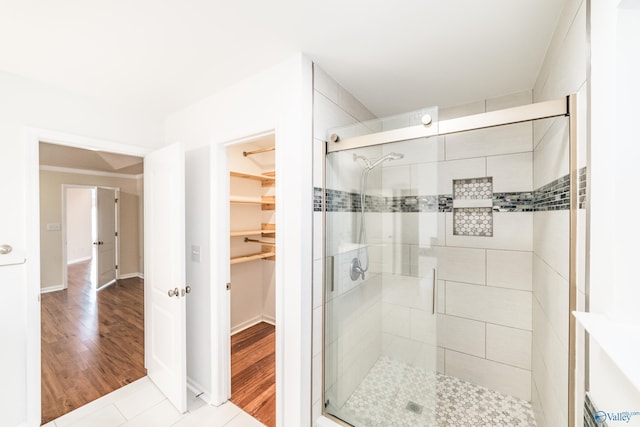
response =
{"points": [[252, 257], [268, 179], [266, 201]]}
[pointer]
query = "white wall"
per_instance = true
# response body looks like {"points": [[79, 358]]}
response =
{"points": [[614, 149], [25, 103], [79, 221], [277, 99]]}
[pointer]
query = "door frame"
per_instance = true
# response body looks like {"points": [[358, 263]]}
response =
{"points": [[65, 187], [33, 138]]}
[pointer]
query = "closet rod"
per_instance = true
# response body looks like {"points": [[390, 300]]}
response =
{"points": [[262, 150], [246, 239]]}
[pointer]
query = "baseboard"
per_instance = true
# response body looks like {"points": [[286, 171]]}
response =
{"points": [[77, 260], [51, 289], [268, 319], [252, 322], [131, 275], [198, 390]]}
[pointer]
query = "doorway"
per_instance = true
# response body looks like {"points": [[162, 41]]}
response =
{"points": [[252, 243], [92, 288]]}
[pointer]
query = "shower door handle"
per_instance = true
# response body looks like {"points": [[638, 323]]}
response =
{"points": [[433, 291], [332, 271]]}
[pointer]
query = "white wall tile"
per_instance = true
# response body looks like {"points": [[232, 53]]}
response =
{"points": [[416, 151], [353, 106], [324, 84], [551, 156], [496, 376], [463, 335], [461, 264], [551, 291], [552, 401], [440, 360], [508, 139], [327, 115], [396, 181], [396, 320], [400, 228], [511, 231], [511, 172], [446, 113], [508, 101], [509, 345], [406, 291], [510, 269], [506, 307], [459, 169], [423, 326], [553, 354], [424, 179], [551, 239], [441, 296]]}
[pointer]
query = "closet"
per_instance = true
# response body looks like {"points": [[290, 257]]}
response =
{"points": [[252, 240]]}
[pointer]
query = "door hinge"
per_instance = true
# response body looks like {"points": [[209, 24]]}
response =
{"points": [[116, 266], [228, 285], [116, 234], [116, 200]]}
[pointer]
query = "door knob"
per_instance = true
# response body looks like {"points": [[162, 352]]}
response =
{"points": [[186, 290], [5, 249], [173, 292]]}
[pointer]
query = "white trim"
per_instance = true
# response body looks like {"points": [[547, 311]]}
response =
{"points": [[61, 169], [77, 260], [252, 322], [53, 288], [132, 275]]}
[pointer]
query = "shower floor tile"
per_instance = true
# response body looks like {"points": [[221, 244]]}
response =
{"points": [[395, 394]]}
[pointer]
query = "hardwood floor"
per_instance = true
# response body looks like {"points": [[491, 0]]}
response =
{"points": [[253, 372], [92, 343]]}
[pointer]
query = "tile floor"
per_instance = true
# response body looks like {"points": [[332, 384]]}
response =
{"points": [[141, 404], [397, 394]]}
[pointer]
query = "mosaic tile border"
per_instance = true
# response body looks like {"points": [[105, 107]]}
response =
{"points": [[589, 413], [549, 197]]}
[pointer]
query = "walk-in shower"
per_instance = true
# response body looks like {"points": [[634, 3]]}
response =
{"points": [[436, 276], [359, 267]]}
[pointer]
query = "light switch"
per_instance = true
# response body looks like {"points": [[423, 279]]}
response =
{"points": [[54, 226], [195, 253]]}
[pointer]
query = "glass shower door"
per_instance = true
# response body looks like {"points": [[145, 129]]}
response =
{"points": [[380, 302]]}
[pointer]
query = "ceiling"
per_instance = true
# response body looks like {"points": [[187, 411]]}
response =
{"points": [[78, 158], [395, 56]]}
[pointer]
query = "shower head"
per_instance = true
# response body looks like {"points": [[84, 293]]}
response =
{"points": [[370, 164]]}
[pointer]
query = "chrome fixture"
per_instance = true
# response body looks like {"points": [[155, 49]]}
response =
{"points": [[358, 267]]}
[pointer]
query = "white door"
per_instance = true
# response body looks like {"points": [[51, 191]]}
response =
{"points": [[164, 273], [105, 242]]}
